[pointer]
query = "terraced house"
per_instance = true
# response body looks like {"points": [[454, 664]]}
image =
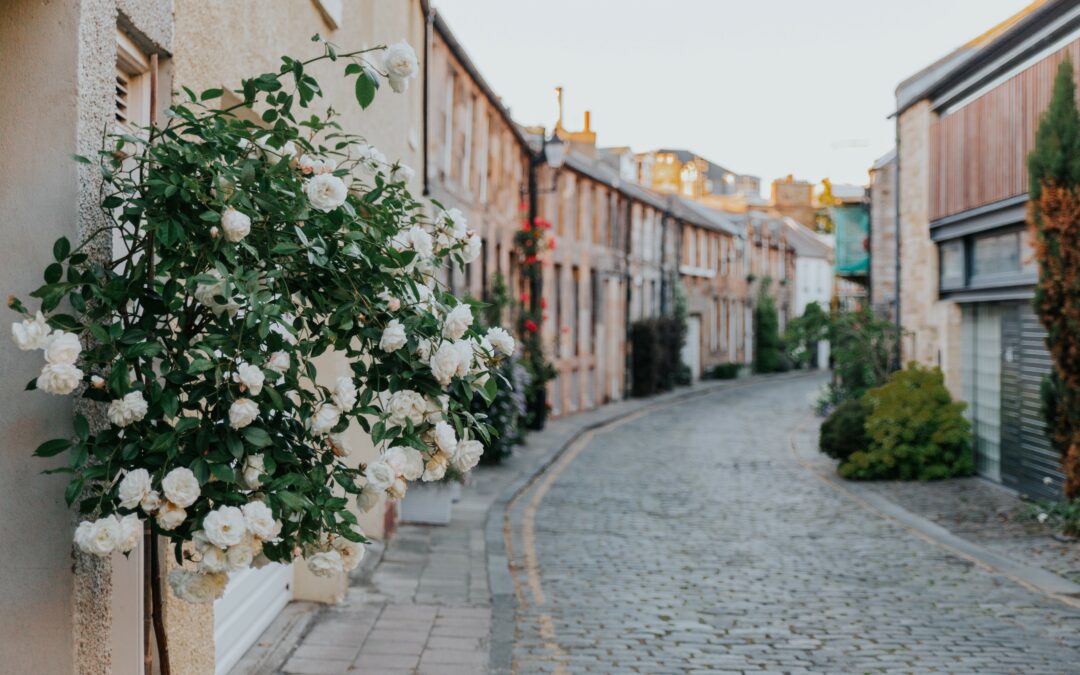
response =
{"points": [[966, 125]]}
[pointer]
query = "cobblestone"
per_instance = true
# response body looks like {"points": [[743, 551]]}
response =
{"points": [[690, 539]]}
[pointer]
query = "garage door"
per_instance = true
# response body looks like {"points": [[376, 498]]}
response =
{"points": [[252, 600]]}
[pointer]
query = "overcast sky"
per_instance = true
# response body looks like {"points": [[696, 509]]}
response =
{"points": [[765, 87]]}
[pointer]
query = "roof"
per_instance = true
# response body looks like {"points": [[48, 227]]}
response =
{"points": [[885, 160], [706, 216], [846, 192], [962, 61], [715, 171], [805, 241], [463, 57]]}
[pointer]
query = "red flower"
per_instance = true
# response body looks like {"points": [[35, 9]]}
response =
{"points": [[543, 303], [545, 316], [531, 260], [530, 325], [525, 227], [523, 207], [551, 243], [524, 297]]}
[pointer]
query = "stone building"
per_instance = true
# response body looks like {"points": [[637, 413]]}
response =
{"points": [[966, 268], [883, 253]]}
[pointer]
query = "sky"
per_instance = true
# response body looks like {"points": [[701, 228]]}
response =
{"points": [[764, 87]]}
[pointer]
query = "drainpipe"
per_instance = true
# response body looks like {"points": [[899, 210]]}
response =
{"points": [[429, 38], [628, 281]]}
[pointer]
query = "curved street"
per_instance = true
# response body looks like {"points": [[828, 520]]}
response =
{"points": [[688, 538]]}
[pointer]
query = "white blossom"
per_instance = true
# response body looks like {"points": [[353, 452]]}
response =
{"points": [[236, 225], [240, 556], [393, 337], [501, 340], [402, 173], [133, 488], [351, 552], [196, 587], [254, 467], [339, 444], [259, 520], [100, 537], [399, 61], [206, 294], [213, 560], [326, 564], [124, 411], [326, 192], [435, 468], [345, 393], [326, 418], [473, 246], [31, 333], [181, 487], [423, 350], [453, 220], [457, 322], [445, 438], [467, 454], [380, 475], [170, 516], [367, 499], [150, 502], [131, 531], [242, 412], [224, 526], [62, 347], [369, 155], [407, 462], [449, 360], [406, 405], [59, 378], [250, 376], [279, 362]]}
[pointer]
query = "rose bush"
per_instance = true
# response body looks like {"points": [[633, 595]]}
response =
{"points": [[246, 252]]}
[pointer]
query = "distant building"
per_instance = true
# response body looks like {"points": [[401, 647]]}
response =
{"points": [[883, 260], [795, 199], [689, 175]]}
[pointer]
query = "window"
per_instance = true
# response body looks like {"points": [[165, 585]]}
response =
{"points": [[132, 84], [952, 264], [482, 169], [556, 315], [575, 304], [466, 151], [995, 254]]}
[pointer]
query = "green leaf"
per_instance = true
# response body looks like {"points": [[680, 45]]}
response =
{"points": [[82, 427], [365, 89], [144, 349], [53, 273], [73, 490], [257, 437], [199, 366], [52, 448], [211, 94], [294, 501], [201, 470], [223, 472], [235, 445], [80, 159], [61, 248]]}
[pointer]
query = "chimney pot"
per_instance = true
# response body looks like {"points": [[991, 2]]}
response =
{"points": [[588, 115]]}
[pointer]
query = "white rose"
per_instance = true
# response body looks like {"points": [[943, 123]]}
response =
{"points": [[393, 337], [254, 467], [339, 445], [473, 246], [224, 526], [345, 393], [369, 154], [435, 468], [181, 487], [407, 462], [380, 475], [134, 487], [213, 560], [259, 520], [326, 564], [501, 340], [250, 376], [62, 347], [457, 322], [464, 351], [307, 164], [150, 502], [206, 293], [367, 499], [59, 378], [351, 553], [100, 537], [434, 409], [444, 362], [131, 531], [423, 350], [326, 192], [467, 455], [454, 221], [170, 516], [402, 173], [31, 333], [241, 555], [326, 418], [406, 405], [242, 412], [420, 241], [279, 362], [124, 411], [196, 587], [236, 225], [445, 438], [400, 64]]}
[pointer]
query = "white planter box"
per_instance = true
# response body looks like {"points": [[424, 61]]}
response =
{"points": [[428, 503]]}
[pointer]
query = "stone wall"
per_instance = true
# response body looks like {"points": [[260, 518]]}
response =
{"points": [[883, 239]]}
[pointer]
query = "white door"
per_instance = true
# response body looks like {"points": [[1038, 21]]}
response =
{"points": [[691, 351], [252, 600]]}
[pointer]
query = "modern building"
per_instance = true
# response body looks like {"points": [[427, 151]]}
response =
{"points": [[965, 126]]}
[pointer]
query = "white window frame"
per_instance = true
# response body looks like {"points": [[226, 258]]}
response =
{"points": [[466, 152], [448, 125]]}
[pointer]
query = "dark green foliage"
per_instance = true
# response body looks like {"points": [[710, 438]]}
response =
{"points": [[506, 413], [803, 334], [768, 349], [843, 433], [1056, 157], [724, 371], [916, 431], [645, 358], [863, 347]]}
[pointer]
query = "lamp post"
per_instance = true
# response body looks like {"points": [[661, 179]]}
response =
{"points": [[553, 154]]}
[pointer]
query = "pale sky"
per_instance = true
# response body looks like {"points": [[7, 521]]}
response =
{"points": [[765, 87]]}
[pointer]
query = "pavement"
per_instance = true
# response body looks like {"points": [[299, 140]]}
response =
{"points": [[696, 532]]}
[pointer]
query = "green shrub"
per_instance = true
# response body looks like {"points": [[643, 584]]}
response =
{"points": [[843, 433], [725, 371], [803, 335], [506, 413], [916, 431], [768, 348], [644, 357], [863, 350]]}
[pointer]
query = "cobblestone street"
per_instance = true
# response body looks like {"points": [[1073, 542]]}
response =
{"points": [[689, 538]]}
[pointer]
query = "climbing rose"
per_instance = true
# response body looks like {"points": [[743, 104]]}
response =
{"points": [[242, 412], [326, 192], [399, 61], [181, 487], [31, 334], [131, 408], [236, 225], [393, 337]]}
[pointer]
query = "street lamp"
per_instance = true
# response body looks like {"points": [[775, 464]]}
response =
{"points": [[553, 154]]}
